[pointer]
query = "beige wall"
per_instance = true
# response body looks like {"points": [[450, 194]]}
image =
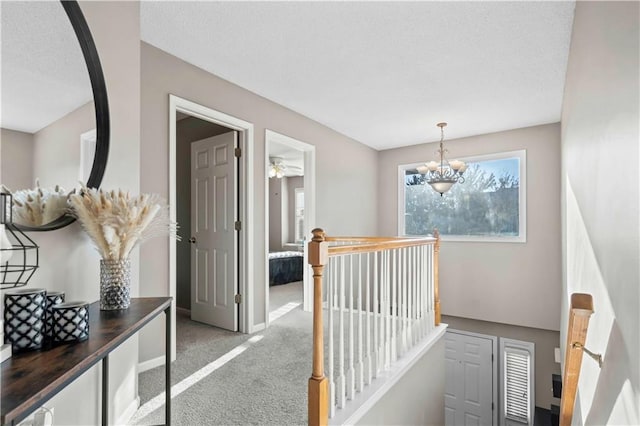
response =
{"points": [[545, 343], [346, 197], [512, 283], [188, 130], [417, 398], [16, 159], [601, 220], [68, 261], [56, 149]]}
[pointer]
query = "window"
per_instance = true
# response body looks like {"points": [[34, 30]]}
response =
{"points": [[489, 206], [517, 389], [299, 215]]}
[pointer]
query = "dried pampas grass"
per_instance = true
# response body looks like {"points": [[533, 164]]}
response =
{"points": [[38, 206], [116, 222]]}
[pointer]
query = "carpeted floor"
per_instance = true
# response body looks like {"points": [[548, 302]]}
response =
{"points": [[226, 378]]}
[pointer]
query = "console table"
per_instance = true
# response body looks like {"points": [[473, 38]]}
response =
{"points": [[30, 379]]}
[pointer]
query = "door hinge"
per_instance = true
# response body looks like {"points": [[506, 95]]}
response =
{"points": [[238, 298], [491, 357], [238, 225], [492, 406], [238, 152]]}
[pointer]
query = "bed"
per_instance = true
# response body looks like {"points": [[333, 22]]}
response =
{"points": [[285, 267]]}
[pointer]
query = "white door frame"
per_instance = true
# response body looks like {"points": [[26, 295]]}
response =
{"points": [[246, 208], [496, 364], [309, 207]]}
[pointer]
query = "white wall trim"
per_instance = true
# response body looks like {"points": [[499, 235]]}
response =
{"points": [[365, 400], [309, 209], [246, 202], [128, 413], [151, 364]]}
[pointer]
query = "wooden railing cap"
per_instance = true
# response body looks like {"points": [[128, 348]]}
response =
{"points": [[582, 303], [318, 235]]}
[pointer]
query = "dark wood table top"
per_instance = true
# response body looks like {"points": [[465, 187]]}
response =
{"points": [[29, 379]]}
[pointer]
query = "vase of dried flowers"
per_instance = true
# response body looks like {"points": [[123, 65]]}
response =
{"points": [[116, 222], [115, 284]]}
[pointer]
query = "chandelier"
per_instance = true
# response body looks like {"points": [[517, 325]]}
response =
{"points": [[276, 168], [443, 174]]}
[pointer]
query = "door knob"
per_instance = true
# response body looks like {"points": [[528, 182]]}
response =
{"points": [[192, 240]]}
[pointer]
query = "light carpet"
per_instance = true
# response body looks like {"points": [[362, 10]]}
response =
{"points": [[227, 378]]}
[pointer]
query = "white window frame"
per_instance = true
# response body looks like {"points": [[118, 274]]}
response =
{"points": [[298, 227], [517, 346], [522, 193]]}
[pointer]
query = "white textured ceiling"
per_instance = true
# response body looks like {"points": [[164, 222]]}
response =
{"points": [[44, 76], [291, 158], [383, 73]]}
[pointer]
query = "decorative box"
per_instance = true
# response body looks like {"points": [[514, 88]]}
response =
{"points": [[70, 322], [24, 315]]}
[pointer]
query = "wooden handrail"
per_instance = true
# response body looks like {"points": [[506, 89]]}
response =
{"points": [[581, 310], [318, 384], [379, 245]]}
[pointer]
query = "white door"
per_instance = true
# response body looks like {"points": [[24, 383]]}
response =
{"points": [[469, 388], [213, 234]]}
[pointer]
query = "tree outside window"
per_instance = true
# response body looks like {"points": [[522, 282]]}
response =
{"points": [[486, 206]]}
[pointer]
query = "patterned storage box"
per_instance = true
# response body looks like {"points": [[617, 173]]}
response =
{"points": [[24, 318], [53, 298], [70, 322]]}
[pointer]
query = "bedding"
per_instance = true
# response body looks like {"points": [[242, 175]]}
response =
{"points": [[285, 267]]}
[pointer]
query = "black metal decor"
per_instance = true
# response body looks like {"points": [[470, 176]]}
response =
{"points": [[99, 88], [18, 253]]}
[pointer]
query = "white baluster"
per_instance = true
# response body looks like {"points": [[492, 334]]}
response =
{"points": [[330, 302], [377, 274], [341, 378], [369, 313], [394, 307], [359, 312], [351, 370]]}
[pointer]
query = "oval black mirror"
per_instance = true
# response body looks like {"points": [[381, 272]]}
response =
{"points": [[97, 167]]}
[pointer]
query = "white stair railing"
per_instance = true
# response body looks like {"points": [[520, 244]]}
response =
{"points": [[381, 300]]}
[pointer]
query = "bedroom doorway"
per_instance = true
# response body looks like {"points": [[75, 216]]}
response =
{"points": [[200, 122], [290, 217]]}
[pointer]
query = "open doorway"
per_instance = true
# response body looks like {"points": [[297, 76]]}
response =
{"points": [[290, 210], [224, 147], [206, 178]]}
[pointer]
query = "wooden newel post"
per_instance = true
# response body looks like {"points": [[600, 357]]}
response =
{"points": [[318, 383], [436, 276], [579, 314]]}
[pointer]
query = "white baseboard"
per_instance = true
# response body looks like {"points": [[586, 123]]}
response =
{"points": [[256, 327], [152, 363], [183, 310], [129, 412]]}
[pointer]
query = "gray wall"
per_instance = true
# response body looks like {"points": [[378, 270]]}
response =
{"points": [[68, 260], [545, 342], [16, 159], [345, 195], [62, 136], [417, 398], [512, 283], [601, 220], [188, 130]]}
